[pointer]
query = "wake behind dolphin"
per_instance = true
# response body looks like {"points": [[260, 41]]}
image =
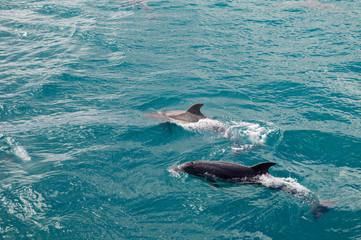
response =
{"points": [[257, 174]]}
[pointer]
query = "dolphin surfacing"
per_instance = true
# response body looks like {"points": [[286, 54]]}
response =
{"points": [[224, 171], [193, 114], [257, 174]]}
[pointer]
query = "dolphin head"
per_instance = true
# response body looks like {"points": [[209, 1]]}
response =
{"points": [[188, 167]]}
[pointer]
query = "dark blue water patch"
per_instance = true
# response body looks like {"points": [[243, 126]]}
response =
{"points": [[220, 5], [353, 66], [6, 34], [319, 148], [52, 90], [267, 22], [294, 9], [273, 138]]}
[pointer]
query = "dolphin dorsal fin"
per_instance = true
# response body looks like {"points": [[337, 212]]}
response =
{"points": [[263, 167], [196, 109]]}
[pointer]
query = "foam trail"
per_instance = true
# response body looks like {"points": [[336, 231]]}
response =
{"points": [[291, 186], [245, 135], [288, 185]]}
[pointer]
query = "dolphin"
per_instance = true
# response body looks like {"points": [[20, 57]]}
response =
{"points": [[257, 174], [224, 171], [192, 115]]}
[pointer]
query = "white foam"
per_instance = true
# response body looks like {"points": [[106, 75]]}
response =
{"points": [[21, 153], [18, 150], [245, 134], [242, 148], [206, 124], [253, 131], [288, 185]]}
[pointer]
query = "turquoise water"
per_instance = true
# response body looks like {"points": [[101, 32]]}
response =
{"points": [[79, 161]]}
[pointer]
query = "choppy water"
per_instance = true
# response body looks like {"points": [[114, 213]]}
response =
{"points": [[79, 161]]}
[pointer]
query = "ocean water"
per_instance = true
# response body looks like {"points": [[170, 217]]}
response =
{"points": [[78, 160]]}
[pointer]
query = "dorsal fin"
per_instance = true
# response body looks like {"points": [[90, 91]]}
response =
{"points": [[196, 109], [263, 167]]}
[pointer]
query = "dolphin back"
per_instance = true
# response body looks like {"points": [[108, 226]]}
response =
{"points": [[262, 168], [196, 109]]}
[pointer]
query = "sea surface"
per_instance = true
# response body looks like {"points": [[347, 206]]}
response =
{"points": [[78, 159]]}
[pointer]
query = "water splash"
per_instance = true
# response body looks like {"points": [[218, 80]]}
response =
{"points": [[11, 146], [248, 135], [204, 125], [288, 185], [245, 135]]}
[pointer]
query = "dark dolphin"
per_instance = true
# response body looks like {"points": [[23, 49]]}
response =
{"points": [[193, 114], [224, 171], [238, 173]]}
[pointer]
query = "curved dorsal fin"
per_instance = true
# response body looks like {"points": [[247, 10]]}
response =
{"points": [[263, 167], [196, 109]]}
